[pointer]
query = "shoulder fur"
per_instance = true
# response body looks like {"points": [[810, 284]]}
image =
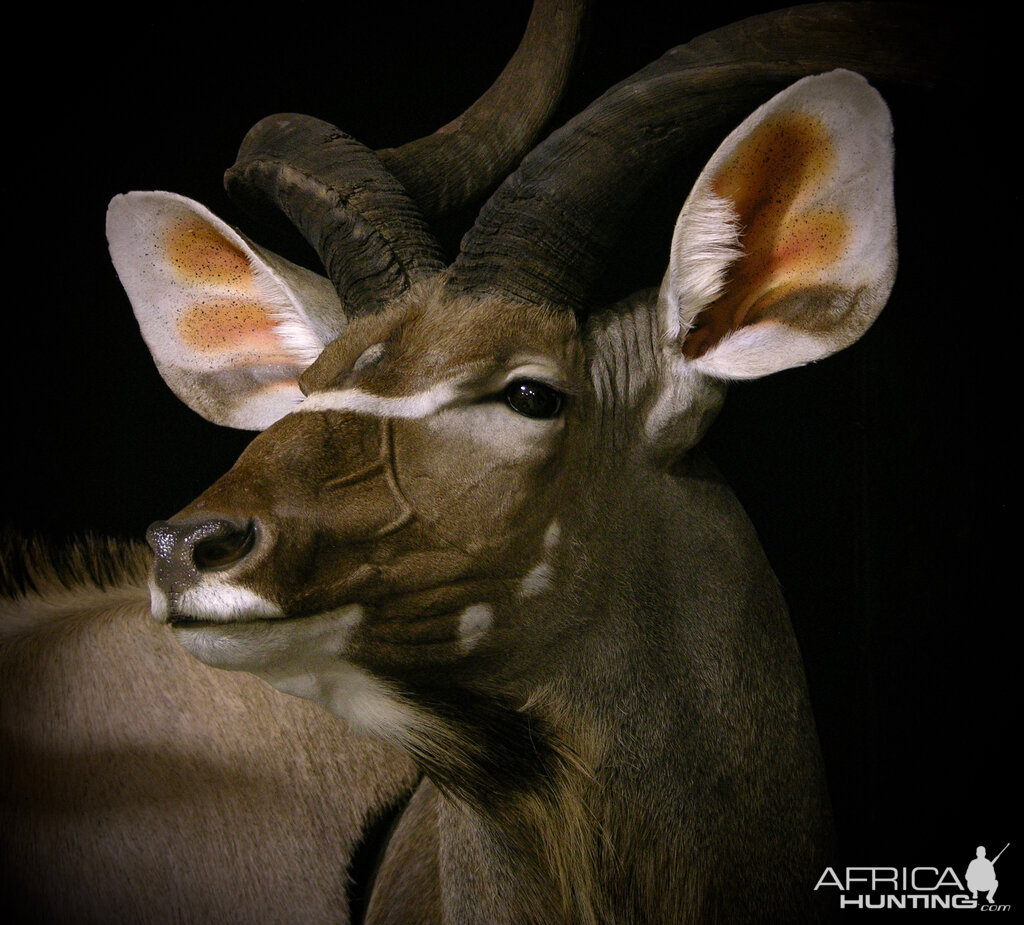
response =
{"points": [[40, 582]]}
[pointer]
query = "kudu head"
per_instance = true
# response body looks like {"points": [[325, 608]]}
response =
{"points": [[471, 524], [463, 468]]}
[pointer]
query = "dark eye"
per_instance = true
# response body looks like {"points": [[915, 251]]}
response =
{"points": [[533, 399]]}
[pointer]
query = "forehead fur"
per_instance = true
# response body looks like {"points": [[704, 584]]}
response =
{"points": [[432, 335]]}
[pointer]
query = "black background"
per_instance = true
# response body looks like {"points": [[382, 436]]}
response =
{"points": [[877, 479]]}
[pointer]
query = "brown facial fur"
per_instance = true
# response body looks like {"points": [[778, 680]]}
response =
{"points": [[414, 519], [432, 336]]}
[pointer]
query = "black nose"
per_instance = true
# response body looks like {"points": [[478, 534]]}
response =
{"points": [[184, 548]]}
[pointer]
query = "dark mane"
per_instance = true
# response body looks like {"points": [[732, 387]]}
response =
{"points": [[30, 565]]}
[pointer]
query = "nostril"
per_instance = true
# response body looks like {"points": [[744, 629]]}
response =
{"points": [[185, 548], [221, 548]]}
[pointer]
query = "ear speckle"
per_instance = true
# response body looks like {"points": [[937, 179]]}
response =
{"points": [[785, 155], [474, 622], [785, 250], [810, 239], [229, 325], [552, 536], [198, 254], [770, 179]]}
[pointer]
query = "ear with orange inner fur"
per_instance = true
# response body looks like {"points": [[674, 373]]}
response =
{"points": [[230, 326], [785, 250]]}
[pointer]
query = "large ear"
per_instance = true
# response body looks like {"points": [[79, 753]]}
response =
{"points": [[231, 326], [785, 250]]}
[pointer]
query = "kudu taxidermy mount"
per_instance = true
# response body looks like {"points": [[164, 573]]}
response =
{"points": [[473, 530]]}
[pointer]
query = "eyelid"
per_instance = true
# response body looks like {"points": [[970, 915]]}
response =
{"points": [[535, 372]]}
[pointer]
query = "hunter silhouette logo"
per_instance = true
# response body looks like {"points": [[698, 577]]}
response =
{"points": [[917, 887], [981, 874]]}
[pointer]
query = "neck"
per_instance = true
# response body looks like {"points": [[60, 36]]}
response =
{"points": [[671, 715], [519, 784]]}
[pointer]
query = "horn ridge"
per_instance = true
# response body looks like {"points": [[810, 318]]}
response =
{"points": [[368, 233], [448, 169], [587, 176], [440, 172]]}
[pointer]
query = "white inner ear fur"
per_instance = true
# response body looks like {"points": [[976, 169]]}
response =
{"points": [[857, 185], [705, 242]]}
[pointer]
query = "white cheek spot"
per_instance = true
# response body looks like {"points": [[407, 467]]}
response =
{"points": [[537, 580], [474, 622], [157, 602], [219, 600], [540, 577], [552, 536]]}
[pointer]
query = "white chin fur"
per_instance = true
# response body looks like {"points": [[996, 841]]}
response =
{"points": [[304, 657], [272, 648], [223, 601]]}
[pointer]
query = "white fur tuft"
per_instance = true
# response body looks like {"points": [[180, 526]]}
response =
{"points": [[704, 245]]}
